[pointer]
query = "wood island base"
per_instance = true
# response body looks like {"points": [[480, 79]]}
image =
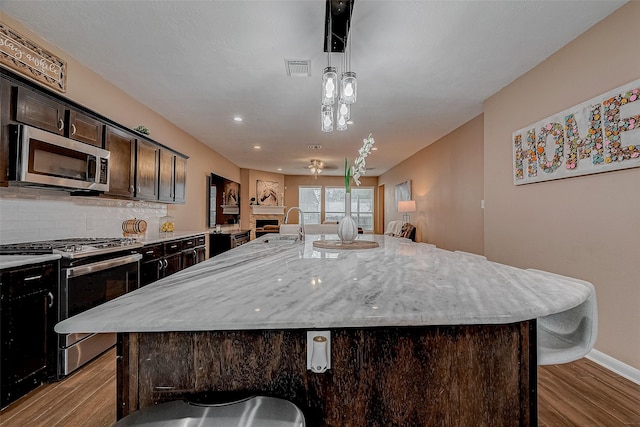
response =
{"points": [[481, 375]]}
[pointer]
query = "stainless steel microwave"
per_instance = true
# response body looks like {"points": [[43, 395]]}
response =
{"points": [[46, 159]]}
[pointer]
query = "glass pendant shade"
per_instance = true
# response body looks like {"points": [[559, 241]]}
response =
{"points": [[327, 118], [348, 87], [341, 123], [344, 110], [329, 86]]}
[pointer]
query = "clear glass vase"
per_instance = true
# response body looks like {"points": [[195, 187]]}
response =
{"points": [[347, 227]]}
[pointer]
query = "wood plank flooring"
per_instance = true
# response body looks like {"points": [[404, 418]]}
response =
{"points": [[581, 393]]}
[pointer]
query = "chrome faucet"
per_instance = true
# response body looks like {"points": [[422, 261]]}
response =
{"points": [[301, 216]]}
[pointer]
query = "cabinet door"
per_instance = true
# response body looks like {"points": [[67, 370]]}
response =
{"points": [[84, 128], [39, 111], [180, 180], [146, 170], [173, 264], [121, 145], [5, 108], [167, 173], [150, 271], [28, 339]]}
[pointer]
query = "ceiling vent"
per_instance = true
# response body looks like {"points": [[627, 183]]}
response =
{"points": [[298, 68], [314, 147]]}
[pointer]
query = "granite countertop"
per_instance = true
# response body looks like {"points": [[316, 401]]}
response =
{"points": [[286, 284], [10, 261]]}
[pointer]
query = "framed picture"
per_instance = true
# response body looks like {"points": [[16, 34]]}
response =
{"points": [[231, 193], [403, 192], [267, 192]]}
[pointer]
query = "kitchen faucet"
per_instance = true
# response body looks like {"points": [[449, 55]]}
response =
{"points": [[301, 228]]}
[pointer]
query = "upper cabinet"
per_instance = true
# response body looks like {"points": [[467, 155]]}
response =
{"points": [[84, 128], [122, 146], [181, 180], [146, 170], [173, 175], [139, 168], [48, 114], [39, 111]]}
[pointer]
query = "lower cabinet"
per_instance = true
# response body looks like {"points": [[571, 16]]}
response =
{"points": [[164, 259], [222, 242], [28, 315]]}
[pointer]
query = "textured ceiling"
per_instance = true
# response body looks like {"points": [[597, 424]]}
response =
{"points": [[424, 67]]}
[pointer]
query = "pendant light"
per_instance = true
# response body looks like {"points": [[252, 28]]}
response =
{"points": [[329, 76], [327, 118], [348, 80]]}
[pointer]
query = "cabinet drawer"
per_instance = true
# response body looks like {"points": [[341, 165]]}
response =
{"points": [[189, 243], [28, 280], [152, 252], [200, 240], [172, 247]]}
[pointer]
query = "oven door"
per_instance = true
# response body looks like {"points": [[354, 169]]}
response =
{"points": [[87, 286]]}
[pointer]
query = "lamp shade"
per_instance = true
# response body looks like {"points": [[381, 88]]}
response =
{"points": [[406, 206]]}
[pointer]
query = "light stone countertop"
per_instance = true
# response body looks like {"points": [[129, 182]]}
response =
{"points": [[152, 238], [11, 261], [274, 284]]}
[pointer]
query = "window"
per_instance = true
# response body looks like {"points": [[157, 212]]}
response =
{"points": [[310, 201], [361, 205]]}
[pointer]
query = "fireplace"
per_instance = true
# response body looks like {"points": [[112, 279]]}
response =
{"points": [[264, 226]]}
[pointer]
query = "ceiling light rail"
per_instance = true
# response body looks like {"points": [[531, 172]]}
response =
{"points": [[337, 23]]}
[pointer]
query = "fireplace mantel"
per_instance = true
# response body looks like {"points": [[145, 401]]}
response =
{"points": [[267, 210]]}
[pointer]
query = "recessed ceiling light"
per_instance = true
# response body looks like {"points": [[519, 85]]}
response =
{"points": [[279, 169], [257, 147], [237, 118], [349, 122], [374, 148]]}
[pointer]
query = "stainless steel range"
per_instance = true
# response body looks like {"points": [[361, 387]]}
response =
{"points": [[92, 271]]}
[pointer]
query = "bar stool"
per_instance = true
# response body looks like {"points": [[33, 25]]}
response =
{"points": [[255, 411]]}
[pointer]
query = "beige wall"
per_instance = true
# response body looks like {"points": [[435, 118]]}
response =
{"points": [[585, 227], [92, 91], [446, 183]]}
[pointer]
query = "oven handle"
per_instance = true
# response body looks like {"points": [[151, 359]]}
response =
{"points": [[102, 265]]}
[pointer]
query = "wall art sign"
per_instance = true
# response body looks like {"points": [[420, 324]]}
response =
{"points": [[31, 60], [403, 192], [599, 135], [267, 192]]}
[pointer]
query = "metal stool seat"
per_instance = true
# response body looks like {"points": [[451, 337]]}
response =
{"points": [[252, 412]]}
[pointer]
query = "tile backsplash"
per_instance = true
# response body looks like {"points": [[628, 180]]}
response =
{"points": [[28, 214]]}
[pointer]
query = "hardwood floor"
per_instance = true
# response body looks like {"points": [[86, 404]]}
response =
{"points": [[581, 393]]}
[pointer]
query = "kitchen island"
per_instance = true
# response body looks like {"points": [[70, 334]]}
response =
{"points": [[419, 335]]}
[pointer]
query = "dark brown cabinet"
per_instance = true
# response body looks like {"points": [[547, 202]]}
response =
{"points": [[166, 192], [172, 174], [39, 111], [180, 180], [121, 145], [193, 251], [146, 170], [164, 259], [222, 242], [140, 168], [28, 314], [84, 128]]}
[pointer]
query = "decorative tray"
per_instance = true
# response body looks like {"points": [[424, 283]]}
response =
{"points": [[337, 244]]}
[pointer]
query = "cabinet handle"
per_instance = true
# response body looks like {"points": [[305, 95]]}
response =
{"points": [[73, 129], [160, 265], [195, 254], [29, 279], [166, 264], [173, 246], [149, 252], [50, 295], [60, 124], [138, 189], [131, 189]]}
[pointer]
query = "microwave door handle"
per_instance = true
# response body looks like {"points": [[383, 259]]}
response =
{"points": [[92, 167]]}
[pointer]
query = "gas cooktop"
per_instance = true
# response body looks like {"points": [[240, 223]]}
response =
{"points": [[71, 248]]}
